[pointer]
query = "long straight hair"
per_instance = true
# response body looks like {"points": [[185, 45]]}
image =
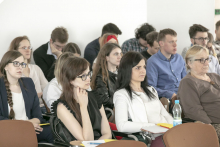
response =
{"points": [[128, 61], [72, 67], [101, 66], [8, 58]]}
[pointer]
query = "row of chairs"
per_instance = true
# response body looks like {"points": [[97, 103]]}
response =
{"points": [[21, 133]]}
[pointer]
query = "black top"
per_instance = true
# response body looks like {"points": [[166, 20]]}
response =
{"points": [[30, 97], [50, 74], [146, 54], [94, 114], [106, 90], [42, 59], [91, 51]]}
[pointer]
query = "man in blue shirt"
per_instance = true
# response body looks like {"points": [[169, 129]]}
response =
{"points": [[166, 68]]}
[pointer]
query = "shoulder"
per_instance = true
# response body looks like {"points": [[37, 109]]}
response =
{"points": [[43, 48], [122, 93], [61, 105], [189, 80], [92, 44], [27, 81], [129, 41], [34, 67]]}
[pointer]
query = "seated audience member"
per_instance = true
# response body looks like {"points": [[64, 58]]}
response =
{"points": [[152, 45], [199, 90], [107, 38], [217, 39], [53, 90], [136, 103], [138, 43], [18, 97], [93, 48], [199, 36], [22, 44], [105, 73], [46, 54], [82, 116], [70, 47], [166, 68], [210, 46]]}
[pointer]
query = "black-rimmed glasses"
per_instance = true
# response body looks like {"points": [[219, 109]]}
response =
{"points": [[17, 64], [204, 60], [84, 77], [202, 39]]}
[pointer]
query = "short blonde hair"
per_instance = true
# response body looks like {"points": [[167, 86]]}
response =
{"points": [[192, 52], [59, 63]]}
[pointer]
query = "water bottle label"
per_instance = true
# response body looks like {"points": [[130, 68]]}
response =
{"points": [[177, 122]]}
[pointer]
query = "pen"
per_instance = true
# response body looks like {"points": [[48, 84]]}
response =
{"points": [[95, 143]]}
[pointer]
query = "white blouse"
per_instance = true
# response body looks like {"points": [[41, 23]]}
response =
{"points": [[141, 110], [18, 106]]}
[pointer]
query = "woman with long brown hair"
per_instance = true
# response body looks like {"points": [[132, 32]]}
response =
{"points": [[82, 116], [105, 72], [22, 44], [18, 97]]}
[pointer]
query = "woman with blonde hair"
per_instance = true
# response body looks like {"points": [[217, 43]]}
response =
{"points": [[199, 91]]}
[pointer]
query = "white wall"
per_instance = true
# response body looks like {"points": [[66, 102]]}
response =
{"points": [[180, 15], [84, 19]]}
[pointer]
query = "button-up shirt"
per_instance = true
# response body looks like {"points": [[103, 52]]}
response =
{"points": [[165, 75], [132, 45]]}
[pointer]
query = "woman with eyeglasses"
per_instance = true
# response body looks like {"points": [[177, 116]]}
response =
{"points": [[199, 91], [81, 115], [22, 44], [18, 97], [105, 73]]}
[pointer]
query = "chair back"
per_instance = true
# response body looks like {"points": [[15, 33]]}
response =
{"points": [[17, 133], [123, 143], [191, 135]]}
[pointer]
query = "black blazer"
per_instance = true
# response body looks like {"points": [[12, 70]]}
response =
{"points": [[43, 60], [31, 99]]}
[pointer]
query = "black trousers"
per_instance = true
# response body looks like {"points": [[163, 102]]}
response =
{"points": [[46, 135]]}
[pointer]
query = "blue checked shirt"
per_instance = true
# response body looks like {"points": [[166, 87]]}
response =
{"points": [[132, 45], [165, 75]]}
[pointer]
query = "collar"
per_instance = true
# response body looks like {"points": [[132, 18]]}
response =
{"points": [[161, 56], [49, 52]]}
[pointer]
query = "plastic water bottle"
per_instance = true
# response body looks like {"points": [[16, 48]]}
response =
{"points": [[177, 111]]}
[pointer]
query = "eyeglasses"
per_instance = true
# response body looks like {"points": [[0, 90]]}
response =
{"points": [[84, 77], [57, 46], [202, 39], [25, 48], [204, 60], [17, 64]]}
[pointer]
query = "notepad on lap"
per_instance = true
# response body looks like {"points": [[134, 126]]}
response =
{"points": [[165, 125], [92, 143]]}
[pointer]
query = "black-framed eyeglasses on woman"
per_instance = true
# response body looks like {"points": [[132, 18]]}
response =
{"points": [[17, 64], [203, 60], [84, 77]]}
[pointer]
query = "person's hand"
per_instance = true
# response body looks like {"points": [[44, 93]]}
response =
{"points": [[37, 128], [54, 50], [173, 98], [81, 96], [39, 95]]}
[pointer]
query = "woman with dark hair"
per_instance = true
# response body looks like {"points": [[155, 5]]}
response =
{"points": [[18, 97], [136, 103], [70, 47], [22, 44], [105, 73], [82, 116]]}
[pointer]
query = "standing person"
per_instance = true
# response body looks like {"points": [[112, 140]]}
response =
{"points": [[138, 43], [81, 115], [46, 54], [166, 68], [136, 103], [18, 97], [152, 45], [23, 45], [105, 73], [93, 48]]}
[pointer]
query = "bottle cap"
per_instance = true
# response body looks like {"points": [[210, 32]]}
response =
{"points": [[177, 101]]}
